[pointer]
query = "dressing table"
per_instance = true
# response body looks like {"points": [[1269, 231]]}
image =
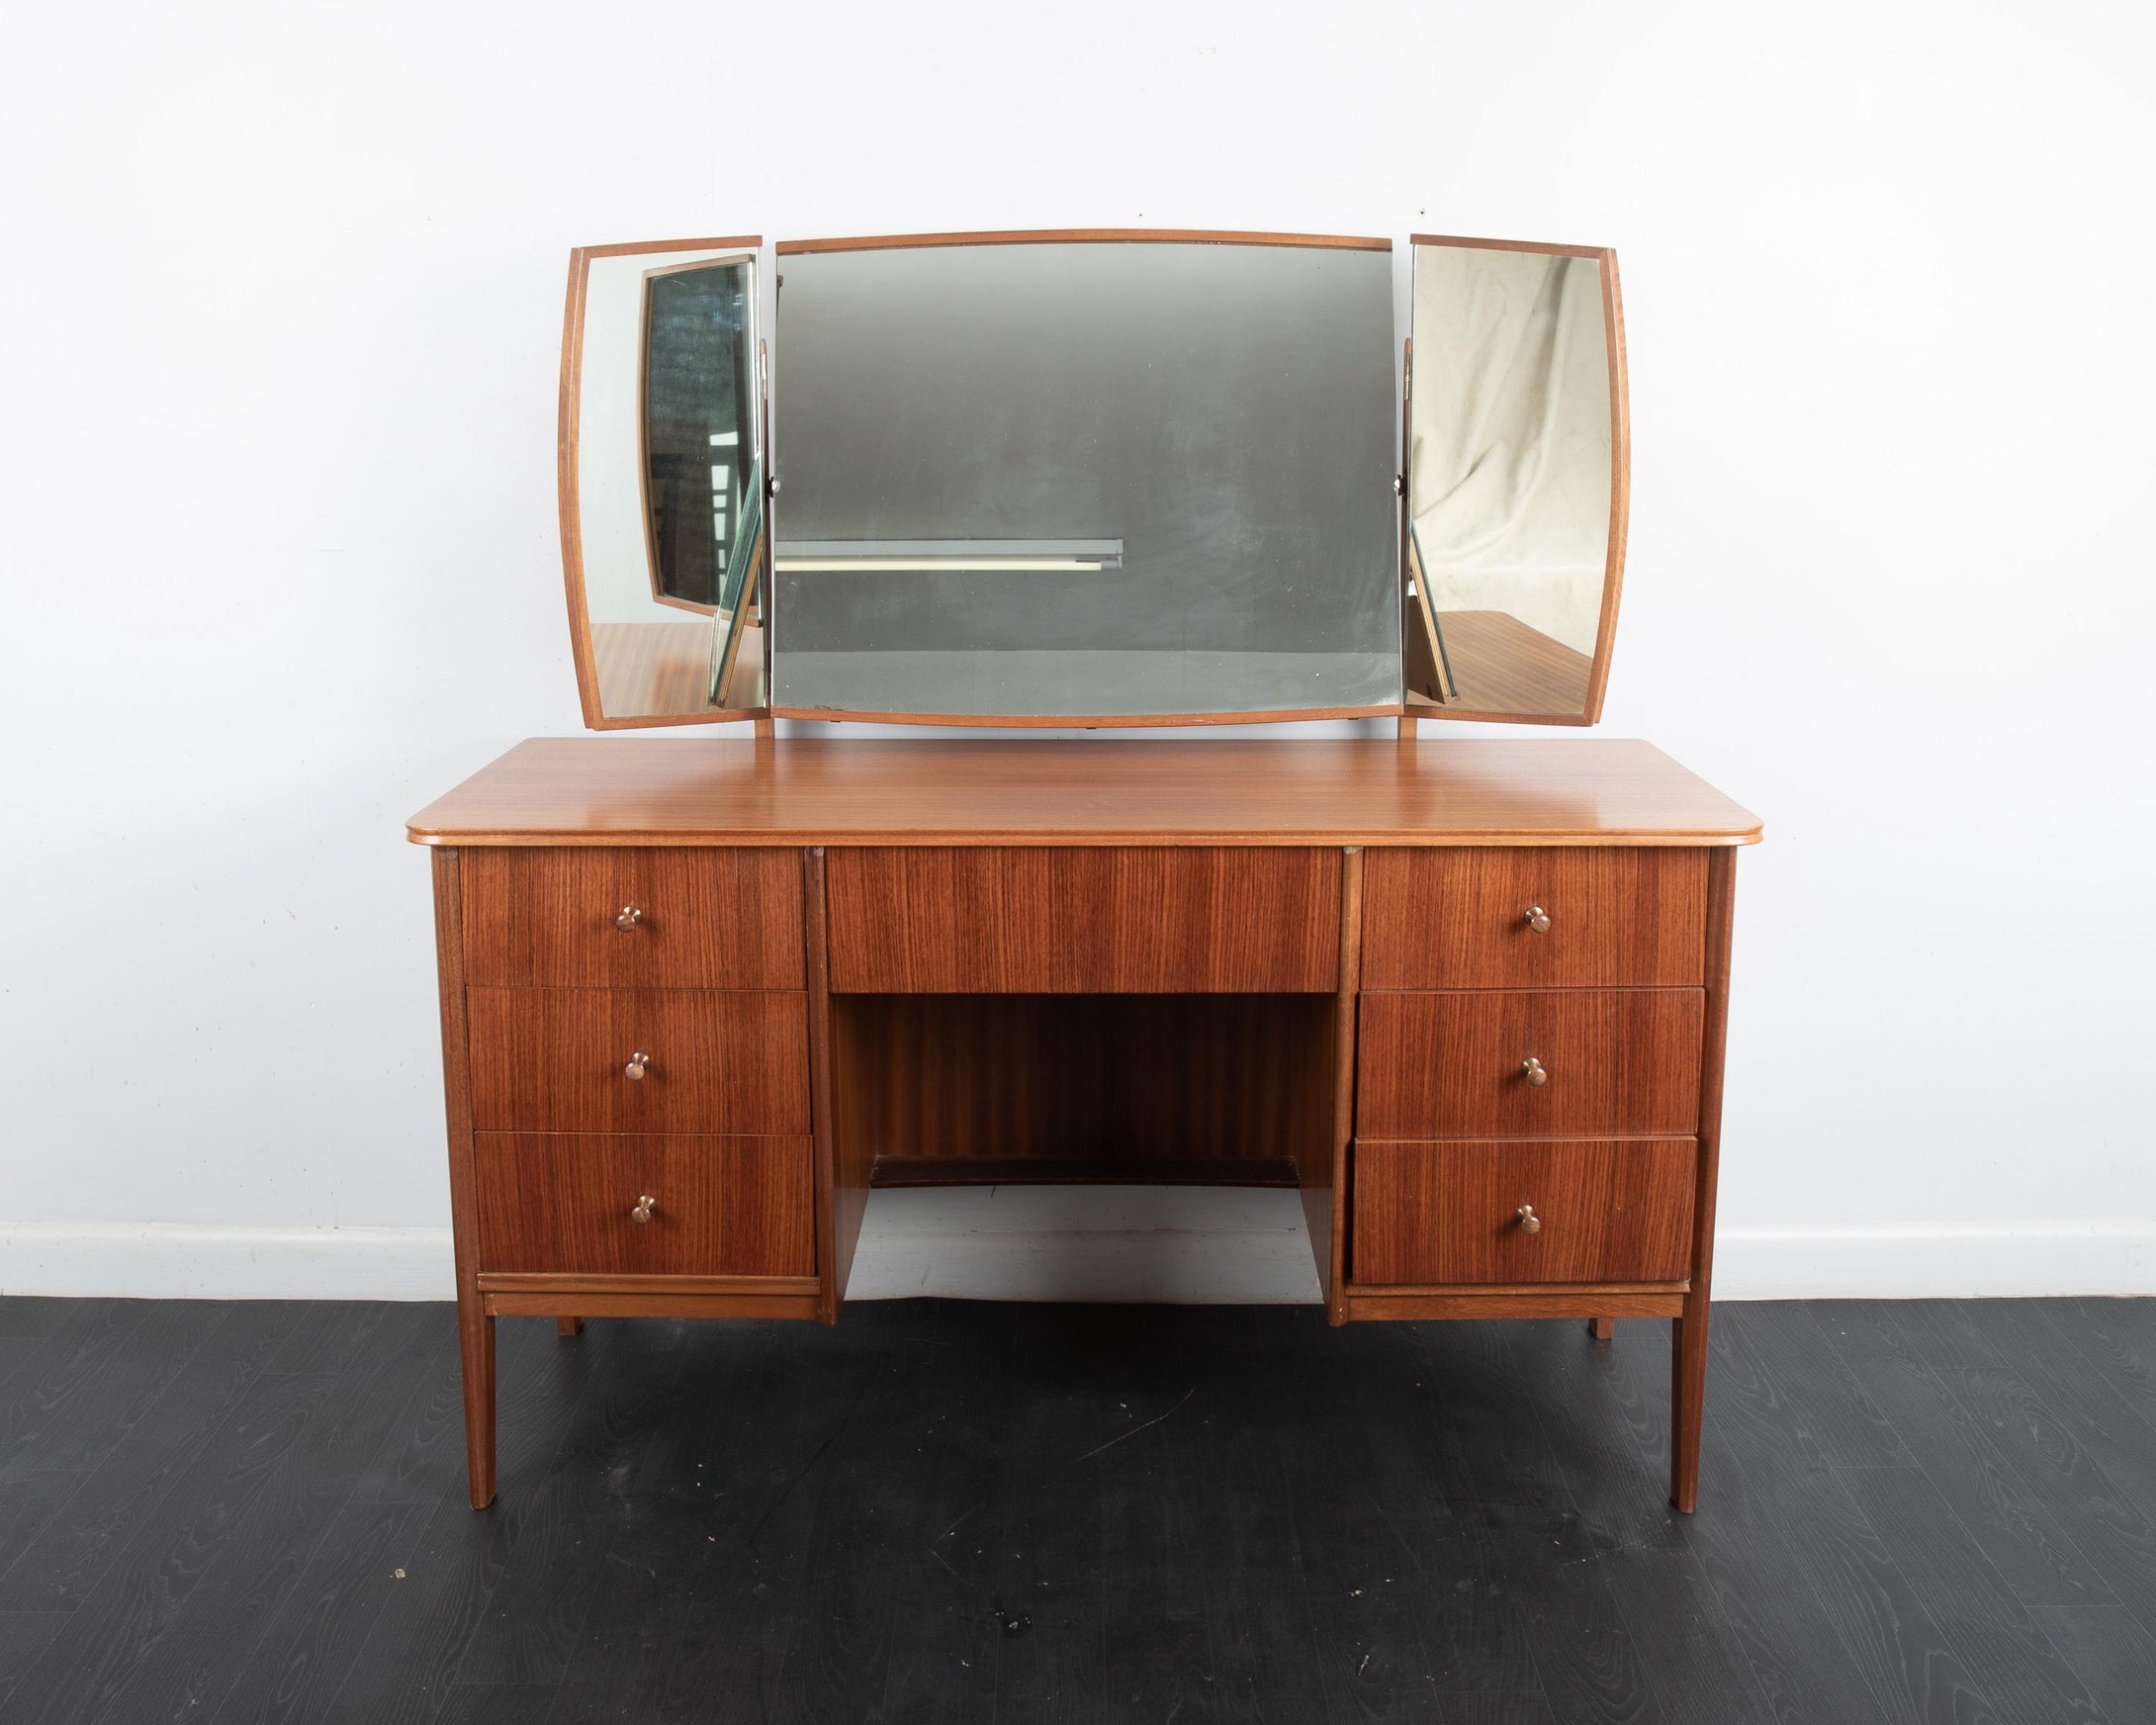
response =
{"points": [[1468, 997]]}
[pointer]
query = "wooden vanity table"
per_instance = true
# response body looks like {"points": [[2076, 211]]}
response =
{"points": [[699, 997]]}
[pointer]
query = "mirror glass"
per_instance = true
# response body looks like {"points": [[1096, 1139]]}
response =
{"points": [[1100, 477], [668, 483], [1513, 454]]}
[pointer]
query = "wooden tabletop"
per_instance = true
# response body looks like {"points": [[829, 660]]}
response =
{"points": [[651, 790]]}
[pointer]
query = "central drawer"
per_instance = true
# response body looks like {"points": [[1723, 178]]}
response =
{"points": [[1467, 1064], [559, 1059], [569, 1203], [1203, 920]]}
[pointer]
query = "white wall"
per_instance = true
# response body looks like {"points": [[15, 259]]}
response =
{"points": [[278, 336]]}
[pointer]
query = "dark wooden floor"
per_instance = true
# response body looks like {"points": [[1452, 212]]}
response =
{"points": [[955, 1512]]}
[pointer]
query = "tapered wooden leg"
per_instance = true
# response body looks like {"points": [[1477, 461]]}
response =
{"points": [[568, 1327], [1601, 1328], [475, 1342], [1687, 1399]]}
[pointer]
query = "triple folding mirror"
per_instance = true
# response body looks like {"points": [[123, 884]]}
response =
{"points": [[1091, 479]]}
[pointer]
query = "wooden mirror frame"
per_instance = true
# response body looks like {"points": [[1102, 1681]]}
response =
{"points": [[1414, 705], [568, 485], [1420, 707]]}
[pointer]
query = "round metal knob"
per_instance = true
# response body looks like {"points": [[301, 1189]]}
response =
{"points": [[628, 916], [1537, 919], [1529, 1221], [641, 1063], [1534, 1072], [643, 1210]]}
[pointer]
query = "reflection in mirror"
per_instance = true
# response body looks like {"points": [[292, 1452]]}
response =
{"points": [[666, 526], [1515, 526], [1107, 477], [699, 436]]}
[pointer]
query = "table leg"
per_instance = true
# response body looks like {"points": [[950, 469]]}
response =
{"points": [[1687, 1399], [476, 1344]]}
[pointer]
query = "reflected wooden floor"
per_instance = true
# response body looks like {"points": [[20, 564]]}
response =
{"points": [[1501, 664], [663, 669]]}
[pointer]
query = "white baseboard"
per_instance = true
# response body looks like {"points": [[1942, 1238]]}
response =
{"points": [[176, 1260], [1169, 1245], [1969, 1261]]}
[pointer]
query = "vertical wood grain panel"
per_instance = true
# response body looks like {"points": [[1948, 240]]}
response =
{"points": [[845, 1146], [710, 918], [1084, 920], [1448, 1212], [1449, 1065], [1324, 1179], [1458, 917], [475, 1329], [551, 1059], [1688, 1352]]}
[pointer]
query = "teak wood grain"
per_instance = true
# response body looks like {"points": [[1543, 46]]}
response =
{"points": [[1688, 1354], [554, 1059], [1084, 920], [1460, 918], [844, 1160], [1619, 1061], [1448, 1212], [475, 1323], [977, 1083], [565, 1202], [705, 918], [1324, 1177], [1208, 934], [622, 791]]}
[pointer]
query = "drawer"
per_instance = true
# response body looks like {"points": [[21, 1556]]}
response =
{"points": [[556, 1060], [1085, 921], [1450, 1212], [1468, 918], [1454, 1065], [565, 1202], [602, 917]]}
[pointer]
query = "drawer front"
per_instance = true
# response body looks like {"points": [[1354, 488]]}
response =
{"points": [[556, 1060], [1454, 1065], [1561, 917], [1450, 1212], [1062, 921], [566, 1203], [632, 918]]}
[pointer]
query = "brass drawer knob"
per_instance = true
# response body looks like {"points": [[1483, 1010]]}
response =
{"points": [[643, 1210], [1534, 1072], [628, 917], [641, 1063], [1529, 1221], [1537, 919]]}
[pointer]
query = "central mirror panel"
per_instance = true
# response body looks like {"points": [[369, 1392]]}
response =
{"points": [[1085, 477]]}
